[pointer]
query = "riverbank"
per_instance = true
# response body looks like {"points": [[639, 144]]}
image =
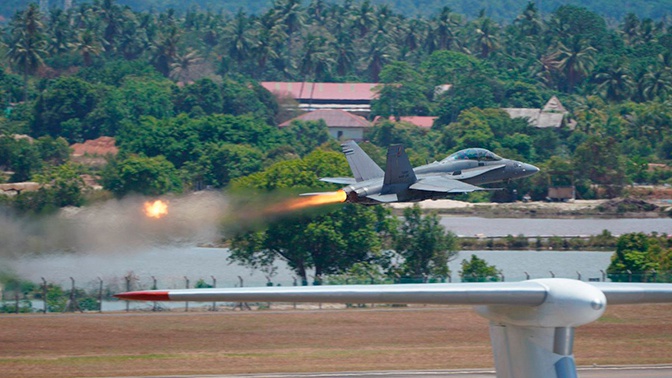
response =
{"points": [[614, 208]]}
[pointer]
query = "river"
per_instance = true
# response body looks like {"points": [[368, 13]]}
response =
{"points": [[171, 265]]}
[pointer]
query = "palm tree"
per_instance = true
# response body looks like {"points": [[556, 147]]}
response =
{"points": [[59, 32], [344, 49], [486, 36], [88, 45], [27, 47], [529, 22], [315, 62], [179, 69], [615, 83], [656, 83], [364, 18], [574, 61], [379, 53], [165, 50], [112, 17], [444, 34], [240, 40], [630, 28]]}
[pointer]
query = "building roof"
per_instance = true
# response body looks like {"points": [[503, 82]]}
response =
{"points": [[333, 118], [551, 115], [304, 91], [425, 122]]}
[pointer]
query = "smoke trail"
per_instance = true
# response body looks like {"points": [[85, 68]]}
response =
{"points": [[114, 226]]}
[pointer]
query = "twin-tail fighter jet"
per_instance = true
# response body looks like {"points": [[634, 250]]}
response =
{"points": [[460, 172]]}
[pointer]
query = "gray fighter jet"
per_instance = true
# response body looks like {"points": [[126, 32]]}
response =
{"points": [[460, 172]]}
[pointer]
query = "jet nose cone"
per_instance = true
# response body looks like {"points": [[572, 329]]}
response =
{"points": [[529, 169]]}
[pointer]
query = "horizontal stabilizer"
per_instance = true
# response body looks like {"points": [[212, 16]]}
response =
{"points": [[473, 172], [386, 198], [444, 185], [339, 180]]}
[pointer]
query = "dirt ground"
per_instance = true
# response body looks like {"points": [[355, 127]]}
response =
{"points": [[145, 344]]}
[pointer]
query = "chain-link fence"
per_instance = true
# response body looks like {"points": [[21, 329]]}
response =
{"points": [[97, 296]]}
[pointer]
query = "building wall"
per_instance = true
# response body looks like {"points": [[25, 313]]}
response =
{"points": [[347, 133]]}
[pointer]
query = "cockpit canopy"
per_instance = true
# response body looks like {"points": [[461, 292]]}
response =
{"points": [[480, 154]]}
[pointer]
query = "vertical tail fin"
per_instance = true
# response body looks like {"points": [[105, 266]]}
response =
{"points": [[398, 169], [363, 168]]}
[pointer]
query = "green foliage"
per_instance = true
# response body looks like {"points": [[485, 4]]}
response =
{"points": [[638, 257], [62, 110], [301, 173], [478, 270], [142, 175], [424, 245], [329, 243]]}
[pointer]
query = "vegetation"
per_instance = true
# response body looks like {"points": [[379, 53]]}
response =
{"points": [[641, 258], [478, 270]]}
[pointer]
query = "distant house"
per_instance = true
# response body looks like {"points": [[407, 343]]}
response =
{"points": [[553, 114], [352, 97], [424, 122], [341, 124]]}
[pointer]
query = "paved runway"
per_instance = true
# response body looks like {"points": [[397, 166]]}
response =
{"points": [[647, 371]]}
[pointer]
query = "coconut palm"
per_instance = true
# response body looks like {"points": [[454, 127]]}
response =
{"points": [[88, 44], [27, 46], [575, 61], [180, 68], [615, 83], [486, 38]]}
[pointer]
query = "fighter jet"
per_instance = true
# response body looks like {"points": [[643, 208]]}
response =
{"points": [[460, 172]]}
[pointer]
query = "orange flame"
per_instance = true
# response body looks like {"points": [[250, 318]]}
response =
{"points": [[156, 209], [308, 201]]}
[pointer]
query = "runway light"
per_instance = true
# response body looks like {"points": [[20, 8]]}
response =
{"points": [[156, 209]]}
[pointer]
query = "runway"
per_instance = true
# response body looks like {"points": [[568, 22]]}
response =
{"points": [[645, 371]]}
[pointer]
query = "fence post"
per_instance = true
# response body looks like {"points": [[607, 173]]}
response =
{"points": [[128, 288], [629, 275], [44, 293], [214, 284], [16, 302], [155, 306], [578, 274], [604, 275], [100, 295], [552, 274], [294, 284], [186, 304], [527, 275], [72, 302]]}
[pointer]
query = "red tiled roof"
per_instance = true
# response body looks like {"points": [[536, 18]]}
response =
{"points": [[323, 91], [101, 146], [426, 122], [333, 118]]}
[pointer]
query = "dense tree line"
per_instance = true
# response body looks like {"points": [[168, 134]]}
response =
{"points": [[499, 10]]}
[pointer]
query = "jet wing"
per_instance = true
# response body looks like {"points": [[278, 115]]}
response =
{"points": [[523, 293], [527, 293], [444, 185], [473, 172], [339, 180]]}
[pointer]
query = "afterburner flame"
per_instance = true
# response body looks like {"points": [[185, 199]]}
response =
{"points": [[308, 201], [156, 209]]}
